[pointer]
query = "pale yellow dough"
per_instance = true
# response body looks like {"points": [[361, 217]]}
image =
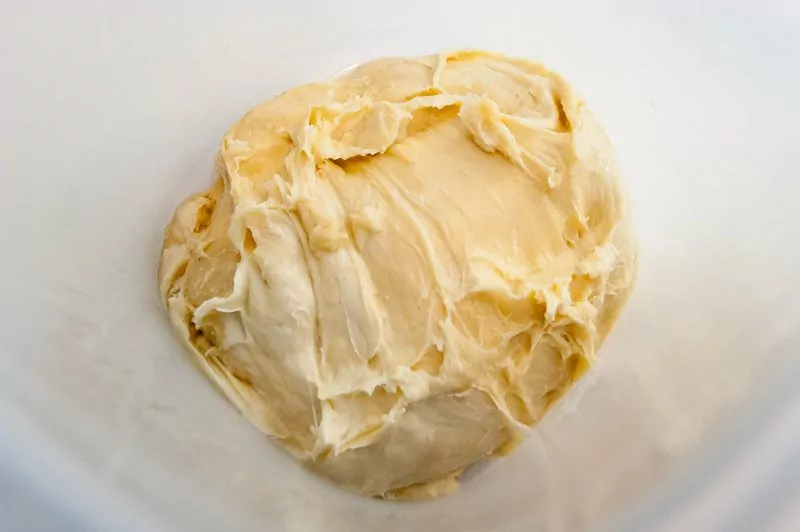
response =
{"points": [[400, 269]]}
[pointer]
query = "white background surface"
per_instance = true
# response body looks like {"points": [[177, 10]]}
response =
{"points": [[110, 113]]}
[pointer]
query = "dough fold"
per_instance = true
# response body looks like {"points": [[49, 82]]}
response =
{"points": [[400, 269]]}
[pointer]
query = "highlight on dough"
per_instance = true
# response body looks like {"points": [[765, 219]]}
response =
{"points": [[399, 270]]}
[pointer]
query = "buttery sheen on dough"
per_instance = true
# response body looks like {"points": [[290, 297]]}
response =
{"points": [[400, 269]]}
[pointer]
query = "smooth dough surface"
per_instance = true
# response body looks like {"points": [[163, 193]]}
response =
{"points": [[400, 269]]}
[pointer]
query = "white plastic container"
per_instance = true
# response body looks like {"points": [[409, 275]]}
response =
{"points": [[111, 115]]}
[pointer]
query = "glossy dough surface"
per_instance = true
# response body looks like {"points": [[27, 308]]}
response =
{"points": [[398, 270]]}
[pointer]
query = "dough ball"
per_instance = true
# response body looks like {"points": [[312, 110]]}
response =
{"points": [[399, 270]]}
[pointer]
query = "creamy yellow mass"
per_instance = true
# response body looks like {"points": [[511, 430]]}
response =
{"points": [[400, 269]]}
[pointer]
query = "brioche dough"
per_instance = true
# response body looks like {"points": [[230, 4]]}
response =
{"points": [[400, 269]]}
